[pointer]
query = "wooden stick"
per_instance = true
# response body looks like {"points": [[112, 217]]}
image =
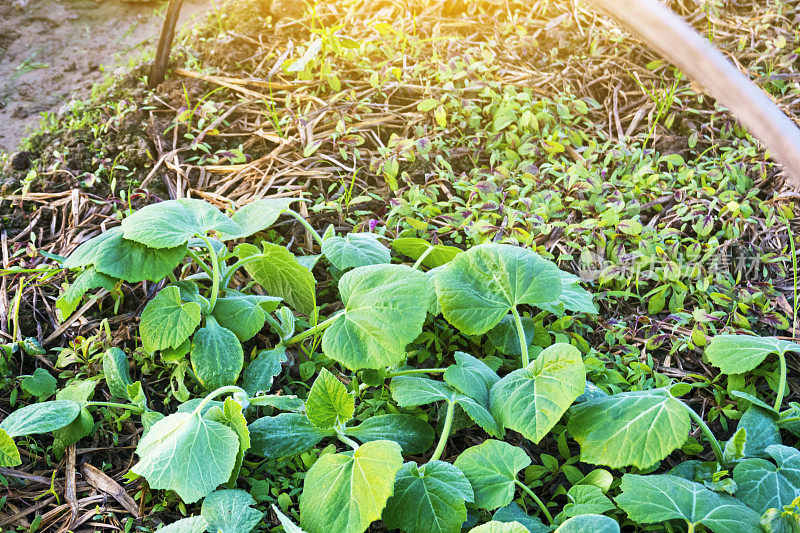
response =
{"points": [[676, 40], [165, 43]]}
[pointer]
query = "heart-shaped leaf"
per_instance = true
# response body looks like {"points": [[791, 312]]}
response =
{"points": [[172, 223], [346, 492], [763, 485], [472, 377], [492, 468], [413, 434], [258, 216], [656, 499], [230, 511], [329, 404], [244, 315], [737, 354], [355, 250], [429, 498], [287, 434], [480, 286], [385, 308], [414, 248], [187, 453], [41, 417], [278, 272], [217, 356], [637, 428], [532, 400], [166, 321], [41, 384]]}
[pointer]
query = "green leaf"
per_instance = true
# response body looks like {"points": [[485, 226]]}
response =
{"points": [[762, 431], [230, 414], [411, 391], [480, 286], [414, 247], [79, 391], [193, 524], [413, 434], [573, 297], [41, 417], [637, 428], [492, 468], [230, 511], [258, 216], [9, 454], [244, 315], [288, 525], [504, 336], [217, 355], [355, 250], [86, 281], [589, 523], [499, 527], [734, 448], [428, 499], [329, 404], [783, 521], [532, 400], [121, 258], [282, 402], [655, 499], [257, 377], [763, 485], [737, 354], [166, 321], [187, 453], [172, 223], [279, 273], [41, 384], [385, 308], [346, 492], [287, 434], [587, 499], [115, 370], [472, 377], [514, 513]]}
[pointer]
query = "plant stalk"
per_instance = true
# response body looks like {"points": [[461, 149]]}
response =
{"points": [[448, 423], [304, 222], [197, 259], [220, 391], [350, 442], [226, 279], [523, 341], [538, 500], [214, 273], [415, 371], [782, 384], [419, 261], [129, 406], [316, 329], [712, 440]]}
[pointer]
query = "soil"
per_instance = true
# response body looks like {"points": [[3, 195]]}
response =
{"points": [[53, 51]]}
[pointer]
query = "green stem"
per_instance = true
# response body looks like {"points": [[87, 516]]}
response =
{"points": [[304, 222], [127, 406], [422, 258], [415, 371], [523, 341], [191, 253], [172, 277], [794, 267], [782, 384], [313, 331], [214, 273], [350, 442], [226, 279], [448, 423], [691, 527], [220, 391], [538, 500], [707, 432]]}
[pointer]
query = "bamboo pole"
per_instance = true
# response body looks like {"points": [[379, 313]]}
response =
{"points": [[165, 43]]}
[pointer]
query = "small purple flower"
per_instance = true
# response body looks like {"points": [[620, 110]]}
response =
{"points": [[373, 224]]}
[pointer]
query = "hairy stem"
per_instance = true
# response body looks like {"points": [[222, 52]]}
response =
{"points": [[350, 442], [214, 273], [782, 384], [448, 423], [316, 329], [425, 254], [712, 440], [415, 371], [219, 392], [523, 341], [535, 498], [128, 406], [226, 279], [191, 253], [304, 222]]}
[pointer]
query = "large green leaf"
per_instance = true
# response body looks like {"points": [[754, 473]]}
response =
{"points": [[86, 281], [655, 499], [217, 355], [428, 499], [737, 354], [573, 297], [504, 336], [329, 404], [355, 250], [532, 400], [193, 524], [121, 258], [514, 513], [761, 431], [9, 454], [187, 453], [637, 428], [166, 321], [414, 247], [763, 485], [589, 523], [257, 377], [244, 315], [385, 308], [40, 418], [279, 273], [499, 527], [287, 434], [257, 216], [491, 468], [230, 414], [230, 511], [587, 499], [480, 286], [172, 223], [115, 370], [472, 377], [346, 492], [413, 434]]}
